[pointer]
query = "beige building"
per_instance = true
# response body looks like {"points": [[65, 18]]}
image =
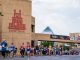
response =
{"points": [[18, 26], [16, 21]]}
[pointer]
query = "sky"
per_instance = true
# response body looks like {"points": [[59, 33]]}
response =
{"points": [[62, 16]]}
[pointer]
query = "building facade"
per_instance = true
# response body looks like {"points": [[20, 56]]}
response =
{"points": [[16, 21], [17, 25]]}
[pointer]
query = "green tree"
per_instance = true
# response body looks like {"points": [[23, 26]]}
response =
{"points": [[47, 43]]}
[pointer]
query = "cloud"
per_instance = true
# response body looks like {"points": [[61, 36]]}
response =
{"points": [[63, 16]]}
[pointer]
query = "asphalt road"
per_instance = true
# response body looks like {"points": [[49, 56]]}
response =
{"points": [[43, 58]]}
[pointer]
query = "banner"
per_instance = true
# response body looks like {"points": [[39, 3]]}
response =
{"points": [[60, 37]]}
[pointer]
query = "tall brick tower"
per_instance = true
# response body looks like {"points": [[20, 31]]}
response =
{"points": [[16, 21]]}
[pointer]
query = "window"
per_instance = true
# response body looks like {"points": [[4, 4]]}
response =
{"points": [[33, 28], [1, 14]]}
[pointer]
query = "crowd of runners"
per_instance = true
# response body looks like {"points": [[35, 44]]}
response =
{"points": [[27, 50], [40, 50]]}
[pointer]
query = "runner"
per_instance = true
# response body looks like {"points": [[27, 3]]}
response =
{"points": [[50, 48], [22, 50], [32, 51], [4, 45], [28, 49], [12, 49]]}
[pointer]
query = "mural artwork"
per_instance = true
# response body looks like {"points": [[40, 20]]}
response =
{"points": [[17, 22]]}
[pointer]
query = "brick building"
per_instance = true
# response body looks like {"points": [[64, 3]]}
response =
{"points": [[17, 24]]}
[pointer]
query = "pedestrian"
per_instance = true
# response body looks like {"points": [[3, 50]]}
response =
{"points": [[54, 48], [32, 51], [3, 51], [50, 48], [37, 50], [28, 50], [42, 50], [4, 45], [11, 49], [22, 50], [47, 51], [15, 51], [61, 49]]}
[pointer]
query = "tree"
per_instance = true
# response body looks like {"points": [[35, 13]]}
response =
{"points": [[47, 43]]}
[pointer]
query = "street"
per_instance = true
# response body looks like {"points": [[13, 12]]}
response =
{"points": [[44, 58]]}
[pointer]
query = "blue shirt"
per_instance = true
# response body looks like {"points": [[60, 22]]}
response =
{"points": [[12, 48], [3, 44]]}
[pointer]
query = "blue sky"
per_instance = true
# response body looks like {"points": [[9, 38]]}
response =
{"points": [[63, 16]]}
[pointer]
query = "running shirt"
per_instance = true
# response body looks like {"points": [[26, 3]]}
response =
{"points": [[50, 48], [12, 48], [28, 49]]}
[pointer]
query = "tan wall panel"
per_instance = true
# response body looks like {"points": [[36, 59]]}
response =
{"points": [[10, 5], [32, 36], [16, 38], [42, 36]]}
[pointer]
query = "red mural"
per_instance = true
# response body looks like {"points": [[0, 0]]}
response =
{"points": [[17, 22]]}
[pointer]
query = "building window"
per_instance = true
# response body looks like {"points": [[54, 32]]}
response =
{"points": [[33, 28], [1, 14], [32, 43]]}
